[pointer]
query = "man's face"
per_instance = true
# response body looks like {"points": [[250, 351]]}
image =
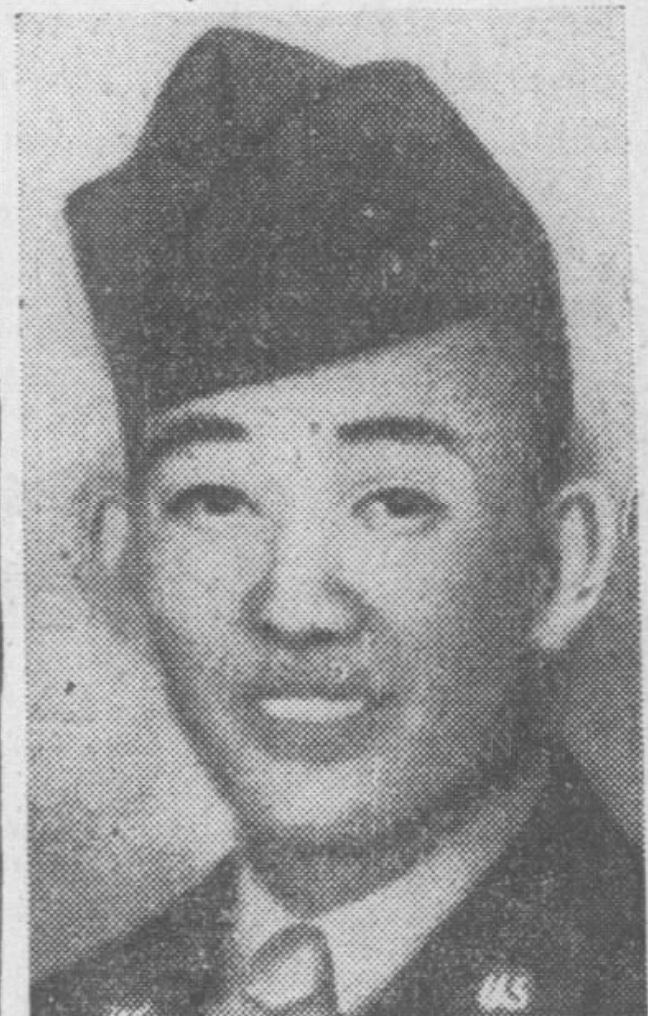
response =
{"points": [[336, 572]]}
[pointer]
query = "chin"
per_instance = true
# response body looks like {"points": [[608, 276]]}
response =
{"points": [[309, 808], [349, 809]]}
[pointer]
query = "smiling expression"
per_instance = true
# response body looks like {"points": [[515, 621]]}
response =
{"points": [[337, 571]]}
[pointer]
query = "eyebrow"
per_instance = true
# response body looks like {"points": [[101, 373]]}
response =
{"points": [[179, 434], [176, 435], [417, 430]]}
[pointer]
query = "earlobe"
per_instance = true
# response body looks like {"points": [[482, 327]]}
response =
{"points": [[581, 533]]}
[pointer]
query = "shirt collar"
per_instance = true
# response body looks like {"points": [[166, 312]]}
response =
{"points": [[365, 958]]}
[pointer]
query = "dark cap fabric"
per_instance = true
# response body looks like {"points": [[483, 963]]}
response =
{"points": [[281, 212]]}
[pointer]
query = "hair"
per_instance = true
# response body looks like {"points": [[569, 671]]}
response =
{"points": [[540, 317]]}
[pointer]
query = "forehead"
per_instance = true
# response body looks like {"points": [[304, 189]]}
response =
{"points": [[467, 375]]}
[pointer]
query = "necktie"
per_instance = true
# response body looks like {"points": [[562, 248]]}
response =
{"points": [[291, 975]]}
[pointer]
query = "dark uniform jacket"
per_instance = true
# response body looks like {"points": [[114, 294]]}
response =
{"points": [[555, 928]]}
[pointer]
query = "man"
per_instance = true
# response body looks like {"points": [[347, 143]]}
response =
{"points": [[337, 341]]}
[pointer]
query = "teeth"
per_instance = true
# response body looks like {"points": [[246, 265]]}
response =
{"points": [[311, 710]]}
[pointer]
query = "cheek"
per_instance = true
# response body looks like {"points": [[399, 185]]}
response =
{"points": [[194, 586], [461, 591]]}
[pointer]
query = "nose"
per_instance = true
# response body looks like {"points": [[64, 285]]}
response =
{"points": [[302, 601]]}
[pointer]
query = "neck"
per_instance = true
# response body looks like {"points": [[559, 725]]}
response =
{"points": [[309, 881]]}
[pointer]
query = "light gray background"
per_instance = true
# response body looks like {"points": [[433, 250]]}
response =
{"points": [[121, 816]]}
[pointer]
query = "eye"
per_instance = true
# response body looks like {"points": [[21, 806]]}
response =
{"points": [[207, 501], [400, 510]]}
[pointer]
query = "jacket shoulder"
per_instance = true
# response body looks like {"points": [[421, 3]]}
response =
{"points": [[581, 882], [170, 963], [603, 893], [558, 920]]}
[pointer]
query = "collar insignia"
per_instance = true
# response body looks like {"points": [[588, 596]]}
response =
{"points": [[505, 991]]}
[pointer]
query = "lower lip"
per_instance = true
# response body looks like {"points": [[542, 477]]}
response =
{"points": [[316, 730]]}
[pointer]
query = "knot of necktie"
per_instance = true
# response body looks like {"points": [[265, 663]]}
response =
{"points": [[292, 975]]}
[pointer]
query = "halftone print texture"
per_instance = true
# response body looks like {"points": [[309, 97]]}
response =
{"points": [[333, 619]]}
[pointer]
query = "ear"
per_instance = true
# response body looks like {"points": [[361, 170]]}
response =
{"points": [[103, 531], [580, 537], [112, 535]]}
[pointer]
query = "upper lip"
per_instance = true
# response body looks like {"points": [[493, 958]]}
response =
{"points": [[311, 693], [327, 677], [353, 688]]}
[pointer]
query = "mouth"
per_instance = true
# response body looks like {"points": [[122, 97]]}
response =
{"points": [[317, 728], [316, 709]]}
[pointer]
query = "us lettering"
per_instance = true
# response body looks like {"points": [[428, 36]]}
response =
{"points": [[505, 993]]}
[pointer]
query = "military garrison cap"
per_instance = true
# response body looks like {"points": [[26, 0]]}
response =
{"points": [[281, 212]]}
